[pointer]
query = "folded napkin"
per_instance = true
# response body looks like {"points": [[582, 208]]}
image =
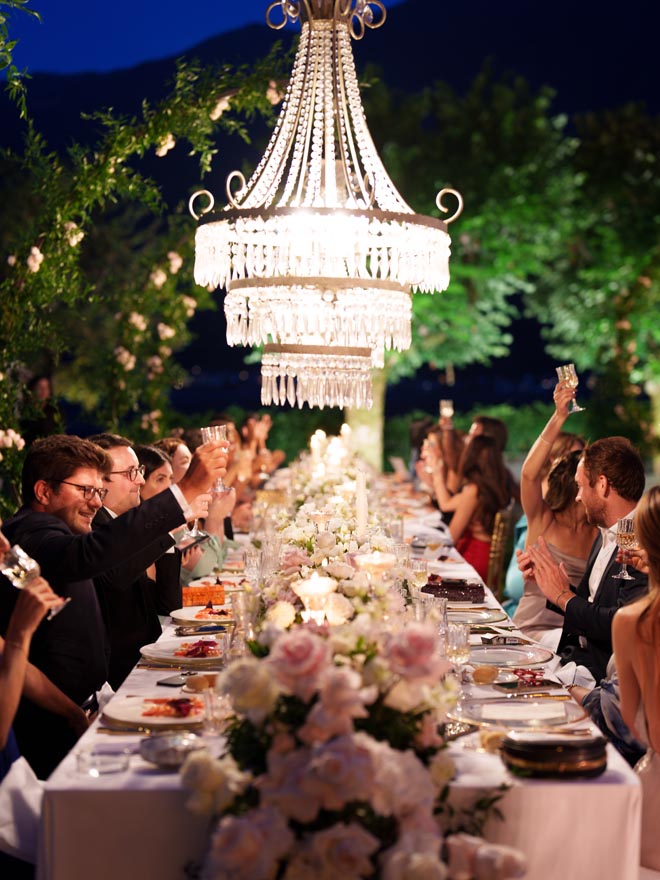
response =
{"points": [[20, 808]]}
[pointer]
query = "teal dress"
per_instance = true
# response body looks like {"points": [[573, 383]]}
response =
{"points": [[513, 580]]}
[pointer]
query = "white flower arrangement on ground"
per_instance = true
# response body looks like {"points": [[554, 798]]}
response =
{"points": [[334, 764]]}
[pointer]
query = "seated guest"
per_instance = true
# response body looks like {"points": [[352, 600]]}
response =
{"points": [[63, 488], [636, 638], [158, 473], [254, 434], [513, 580], [179, 453], [610, 482], [18, 676], [485, 490], [558, 516], [482, 426], [130, 600]]}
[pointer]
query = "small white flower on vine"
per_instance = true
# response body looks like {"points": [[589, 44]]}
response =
{"points": [[273, 94], [158, 278], [73, 233], [165, 351], [35, 259], [166, 145], [155, 364], [190, 304], [220, 107], [11, 260], [165, 332], [176, 261], [125, 358], [138, 321]]}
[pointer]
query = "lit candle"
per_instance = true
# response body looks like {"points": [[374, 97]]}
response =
{"points": [[314, 593]]}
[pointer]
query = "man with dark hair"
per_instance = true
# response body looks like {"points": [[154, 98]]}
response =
{"points": [[64, 487], [610, 482], [130, 600]]}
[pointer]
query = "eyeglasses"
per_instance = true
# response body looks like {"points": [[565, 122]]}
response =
{"points": [[132, 472], [88, 492]]}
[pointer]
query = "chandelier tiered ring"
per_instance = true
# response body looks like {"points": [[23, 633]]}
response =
{"points": [[318, 253]]}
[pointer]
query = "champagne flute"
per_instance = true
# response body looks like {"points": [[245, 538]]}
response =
{"points": [[626, 540], [20, 569], [568, 375], [218, 434]]}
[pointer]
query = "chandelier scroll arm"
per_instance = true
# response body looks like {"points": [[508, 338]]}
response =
{"points": [[231, 198], [459, 208], [290, 12], [193, 197]]}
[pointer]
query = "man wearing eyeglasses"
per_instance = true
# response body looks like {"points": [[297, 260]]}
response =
{"points": [[130, 600], [63, 486]]}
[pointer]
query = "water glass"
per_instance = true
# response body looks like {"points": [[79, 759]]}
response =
{"points": [[458, 643], [20, 569]]}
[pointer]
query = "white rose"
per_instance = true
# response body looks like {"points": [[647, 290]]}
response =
{"points": [[251, 688], [338, 609], [281, 614]]}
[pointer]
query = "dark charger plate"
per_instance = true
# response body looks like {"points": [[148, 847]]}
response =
{"points": [[554, 757]]}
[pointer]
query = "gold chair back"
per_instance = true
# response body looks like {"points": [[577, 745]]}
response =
{"points": [[499, 546]]}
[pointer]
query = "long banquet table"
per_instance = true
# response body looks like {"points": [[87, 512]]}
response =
{"points": [[134, 824]]}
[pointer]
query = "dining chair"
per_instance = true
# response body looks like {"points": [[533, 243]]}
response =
{"points": [[499, 547]]}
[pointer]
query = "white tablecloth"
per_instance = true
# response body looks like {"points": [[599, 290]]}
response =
{"points": [[134, 825]]}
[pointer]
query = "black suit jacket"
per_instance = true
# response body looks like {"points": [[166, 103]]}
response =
{"points": [[131, 601], [593, 620], [72, 648]]}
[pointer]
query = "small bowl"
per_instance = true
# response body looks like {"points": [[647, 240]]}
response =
{"points": [[97, 761], [168, 751]]}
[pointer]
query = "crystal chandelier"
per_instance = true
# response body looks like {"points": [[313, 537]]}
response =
{"points": [[318, 252]]}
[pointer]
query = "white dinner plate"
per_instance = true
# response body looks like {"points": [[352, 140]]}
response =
{"points": [[189, 615], [519, 712], [132, 711], [516, 656], [474, 616], [166, 650]]}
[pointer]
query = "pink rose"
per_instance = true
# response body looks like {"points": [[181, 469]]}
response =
{"points": [[341, 771], [293, 560], [339, 851], [281, 786], [413, 653], [403, 785], [341, 699], [249, 847], [297, 660]]}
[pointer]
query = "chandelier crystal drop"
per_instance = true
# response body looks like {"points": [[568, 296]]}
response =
{"points": [[318, 249]]}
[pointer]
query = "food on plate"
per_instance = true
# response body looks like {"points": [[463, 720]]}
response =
{"points": [[454, 589], [211, 613], [485, 674], [201, 648], [172, 707], [491, 740]]}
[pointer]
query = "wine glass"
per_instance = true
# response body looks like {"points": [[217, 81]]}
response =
{"points": [[458, 644], [217, 434], [446, 408], [626, 540], [20, 569], [568, 375]]}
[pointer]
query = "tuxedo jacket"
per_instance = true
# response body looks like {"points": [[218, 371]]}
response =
{"points": [[131, 601], [72, 649], [593, 620]]}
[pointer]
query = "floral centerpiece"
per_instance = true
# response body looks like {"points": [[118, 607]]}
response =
{"points": [[334, 766]]}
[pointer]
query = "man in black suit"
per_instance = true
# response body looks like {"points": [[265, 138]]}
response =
{"points": [[610, 481], [130, 600], [63, 488]]}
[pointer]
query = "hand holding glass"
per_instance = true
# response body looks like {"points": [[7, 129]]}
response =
{"points": [[626, 540], [568, 375], [216, 434], [20, 569]]}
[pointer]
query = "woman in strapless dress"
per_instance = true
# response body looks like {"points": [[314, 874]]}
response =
{"points": [[555, 515]]}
